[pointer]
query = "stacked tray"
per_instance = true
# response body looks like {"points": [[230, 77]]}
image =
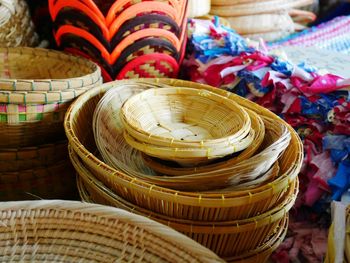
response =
{"points": [[128, 39], [236, 205], [266, 19], [36, 88]]}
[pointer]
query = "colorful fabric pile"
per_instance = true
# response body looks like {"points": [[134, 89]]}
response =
{"points": [[316, 105], [333, 35]]}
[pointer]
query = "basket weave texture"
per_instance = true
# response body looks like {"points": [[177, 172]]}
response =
{"points": [[43, 231], [219, 218]]}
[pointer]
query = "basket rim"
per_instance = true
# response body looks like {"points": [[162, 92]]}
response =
{"points": [[50, 84], [90, 211], [153, 190]]}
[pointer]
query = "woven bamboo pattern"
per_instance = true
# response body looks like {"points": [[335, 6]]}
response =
{"points": [[35, 69], [54, 181], [240, 235], [82, 29], [108, 131], [195, 206], [13, 160], [176, 124], [16, 27], [259, 7], [73, 231]]}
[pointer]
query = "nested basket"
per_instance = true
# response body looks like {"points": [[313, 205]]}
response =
{"points": [[36, 88], [54, 181], [46, 231], [228, 238], [177, 204], [185, 125], [115, 150], [16, 26], [260, 254], [17, 159]]}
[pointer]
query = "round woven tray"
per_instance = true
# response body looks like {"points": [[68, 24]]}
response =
{"points": [[47, 231], [231, 237], [34, 69], [262, 23], [109, 136], [196, 206], [197, 8], [13, 160], [257, 7], [56, 181], [16, 26]]}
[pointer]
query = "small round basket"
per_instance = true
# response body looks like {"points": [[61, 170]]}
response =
{"points": [[57, 231], [181, 123]]}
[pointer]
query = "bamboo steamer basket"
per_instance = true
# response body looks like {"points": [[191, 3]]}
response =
{"points": [[36, 69], [49, 182], [16, 27], [231, 237], [185, 125], [195, 206], [17, 159], [262, 23], [197, 8], [257, 7], [111, 144], [45, 231]]}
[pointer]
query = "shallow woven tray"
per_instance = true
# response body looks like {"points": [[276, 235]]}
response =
{"points": [[108, 131], [47, 182], [166, 201], [257, 7], [34, 69], [231, 237], [176, 124], [47, 231], [13, 160]]}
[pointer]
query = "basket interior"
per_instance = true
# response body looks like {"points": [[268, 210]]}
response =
{"points": [[29, 64], [181, 116]]}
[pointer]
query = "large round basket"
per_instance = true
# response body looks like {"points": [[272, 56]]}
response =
{"points": [[57, 231], [177, 204]]}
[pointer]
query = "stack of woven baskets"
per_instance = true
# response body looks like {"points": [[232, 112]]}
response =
{"points": [[16, 27], [128, 39], [266, 19], [206, 162], [36, 88]]}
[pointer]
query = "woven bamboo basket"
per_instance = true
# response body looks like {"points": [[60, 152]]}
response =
{"points": [[26, 122], [16, 27], [46, 231], [273, 131], [108, 133], [195, 206], [47, 182], [259, 254], [262, 23], [34, 69], [185, 125], [231, 237], [257, 7], [13, 160]]}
